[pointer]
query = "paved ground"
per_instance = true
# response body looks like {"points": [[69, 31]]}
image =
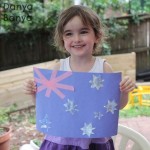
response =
{"points": [[23, 132], [140, 124]]}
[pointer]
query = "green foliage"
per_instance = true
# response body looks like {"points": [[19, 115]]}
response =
{"points": [[2, 131], [4, 118], [37, 142], [146, 97], [44, 16], [115, 27], [135, 112], [106, 50], [12, 113], [31, 15], [139, 6], [32, 119]]}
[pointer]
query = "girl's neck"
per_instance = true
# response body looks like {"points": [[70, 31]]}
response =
{"points": [[81, 64]]}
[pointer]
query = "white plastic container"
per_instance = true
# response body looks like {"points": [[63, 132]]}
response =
{"points": [[31, 146]]}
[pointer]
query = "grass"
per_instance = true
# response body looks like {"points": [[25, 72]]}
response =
{"points": [[4, 113], [135, 111], [17, 116]]}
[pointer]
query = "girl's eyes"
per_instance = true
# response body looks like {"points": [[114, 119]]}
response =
{"points": [[83, 32], [68, 34]]}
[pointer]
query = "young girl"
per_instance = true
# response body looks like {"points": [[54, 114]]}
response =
{"points": [[79, 31]]}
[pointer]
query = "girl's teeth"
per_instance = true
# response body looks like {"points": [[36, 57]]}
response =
{"points": [[77, 46]]}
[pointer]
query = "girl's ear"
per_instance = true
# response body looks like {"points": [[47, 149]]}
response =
{"points": [[98, 38]]}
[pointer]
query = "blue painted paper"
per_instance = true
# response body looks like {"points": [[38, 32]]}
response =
{"points": [[77, 105]]}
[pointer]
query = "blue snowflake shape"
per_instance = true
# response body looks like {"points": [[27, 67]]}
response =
{"points": [[71, 107], [96, 82], [87, 129], [98, 115], [111, 106], [45, 123]]}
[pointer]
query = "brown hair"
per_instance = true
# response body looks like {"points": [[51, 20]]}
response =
{"points": [[88, 17]]}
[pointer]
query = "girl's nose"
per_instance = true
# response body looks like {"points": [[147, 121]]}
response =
{"points": [[77, 38]]}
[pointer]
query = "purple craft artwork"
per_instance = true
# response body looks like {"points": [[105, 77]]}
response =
{"points": [[77, 105]]}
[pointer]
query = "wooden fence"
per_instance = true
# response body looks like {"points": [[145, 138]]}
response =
{"points": [[21, 49], [137, 39]]}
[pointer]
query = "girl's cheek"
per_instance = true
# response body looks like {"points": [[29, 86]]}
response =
{"points": [[66, 45], [67, 42]]}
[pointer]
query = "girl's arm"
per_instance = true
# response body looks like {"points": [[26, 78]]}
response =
{"points": [[126, 86]]}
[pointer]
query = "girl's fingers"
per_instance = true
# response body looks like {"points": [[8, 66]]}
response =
{"points": [[29, 87], [127, 89], [125, 82], [127, 85]]}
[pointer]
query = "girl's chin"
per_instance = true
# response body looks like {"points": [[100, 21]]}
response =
{"points": [[78, 55], [78, 52], [78, 49]]}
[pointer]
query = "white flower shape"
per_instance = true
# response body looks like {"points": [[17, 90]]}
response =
{"points": [[45, 123], [111, 106], [71, 107], [96, 82], [87, 129], [98, 115]]}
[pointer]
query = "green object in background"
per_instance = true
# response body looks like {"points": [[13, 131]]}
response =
{"points": [[37, 142], [135, 111]]}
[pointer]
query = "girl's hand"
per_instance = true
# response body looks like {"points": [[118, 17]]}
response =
{"points": [[30, 87], [127, 85]]}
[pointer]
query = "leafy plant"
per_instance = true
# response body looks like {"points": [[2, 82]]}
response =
{"points": [[4, 117], [106, 50], [135, 111], [32, 119], [37, 142], [36, 15], [2, 131]]}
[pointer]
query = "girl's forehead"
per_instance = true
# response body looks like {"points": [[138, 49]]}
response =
{"points": [[75, 22]]}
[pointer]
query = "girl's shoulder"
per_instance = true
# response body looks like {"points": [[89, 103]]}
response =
{"points": [[102, 65], [107, 67], [56, 66]]}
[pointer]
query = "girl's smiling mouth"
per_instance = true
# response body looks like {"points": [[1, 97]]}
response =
{"points": [[78, 46]]}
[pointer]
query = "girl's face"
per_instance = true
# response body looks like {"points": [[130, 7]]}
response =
{"points": [[78, 39]]}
